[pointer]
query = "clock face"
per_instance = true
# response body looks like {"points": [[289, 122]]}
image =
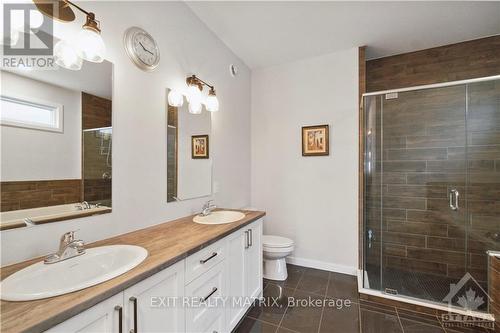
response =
{"points": [[142, 48]]}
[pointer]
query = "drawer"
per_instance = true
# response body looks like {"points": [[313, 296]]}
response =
{"points": [[201, 316], [203, 260]]}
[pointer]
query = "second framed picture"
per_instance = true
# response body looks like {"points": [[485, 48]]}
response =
{"points": [[199, 146], [315, 140]]}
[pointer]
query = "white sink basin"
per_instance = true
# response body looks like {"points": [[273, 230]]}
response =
{"points": [[95, 266], [219, 217]]}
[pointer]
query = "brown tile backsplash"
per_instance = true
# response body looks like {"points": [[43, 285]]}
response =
{"points": [[17, 195]]}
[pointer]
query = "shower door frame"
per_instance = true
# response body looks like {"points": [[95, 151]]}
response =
{"points": [[361, 199]]}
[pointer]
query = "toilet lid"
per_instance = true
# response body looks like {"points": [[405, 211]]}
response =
{"points": [[276, 241]]}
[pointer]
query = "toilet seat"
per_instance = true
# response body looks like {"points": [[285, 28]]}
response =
{"points": [[277, 242]]}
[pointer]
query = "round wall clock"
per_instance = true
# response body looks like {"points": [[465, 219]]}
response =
{"points": [[141, 48]]}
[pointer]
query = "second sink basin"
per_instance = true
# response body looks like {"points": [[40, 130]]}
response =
{"points": [[97, 265], [219, 217]]}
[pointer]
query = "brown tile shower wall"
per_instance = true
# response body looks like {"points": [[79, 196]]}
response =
{"points": [[494, 283], [460, 61], [96, 113], [423, 158], [172, 117], [424, 146], [17, 195]]}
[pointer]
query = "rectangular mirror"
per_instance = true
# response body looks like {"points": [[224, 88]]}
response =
{"points": [[189, 164], [56, 144]]}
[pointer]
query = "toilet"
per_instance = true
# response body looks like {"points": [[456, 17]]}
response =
{"points": [[275, 250]]}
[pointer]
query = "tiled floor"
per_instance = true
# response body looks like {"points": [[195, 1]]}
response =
{"points": [[340, 309]]}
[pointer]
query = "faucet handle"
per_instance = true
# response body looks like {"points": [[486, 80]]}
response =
{"points": [[68, 237], [207, 204]]}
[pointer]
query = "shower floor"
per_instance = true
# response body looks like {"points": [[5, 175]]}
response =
{"points": [[423, 286]]}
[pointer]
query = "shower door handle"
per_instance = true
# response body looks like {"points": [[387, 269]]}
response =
{"points": [[453, 196]]}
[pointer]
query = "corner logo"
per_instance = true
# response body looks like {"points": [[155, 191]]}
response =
{"points": [[470, 295], [28, 40]]}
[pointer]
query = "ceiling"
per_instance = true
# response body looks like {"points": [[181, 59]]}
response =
{"points": [[269, 33]]}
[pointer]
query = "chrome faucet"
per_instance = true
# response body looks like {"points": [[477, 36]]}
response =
{"points": [[207, 208], [83, 205], [68, 248]]}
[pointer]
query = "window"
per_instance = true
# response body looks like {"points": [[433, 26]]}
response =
{"points": [[32, 114]]}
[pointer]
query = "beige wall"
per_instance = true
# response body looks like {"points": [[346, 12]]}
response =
{"points": [[312, 200]]}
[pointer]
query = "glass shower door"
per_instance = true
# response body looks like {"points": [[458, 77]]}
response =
{"points": [[372, 263], [423, 191], [483, 187]]}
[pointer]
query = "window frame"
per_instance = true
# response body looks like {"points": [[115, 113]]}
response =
{"points": [[57, 107]]}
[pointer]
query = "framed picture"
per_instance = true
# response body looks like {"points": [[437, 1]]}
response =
{"points": [[315, 140], [199, 146]]}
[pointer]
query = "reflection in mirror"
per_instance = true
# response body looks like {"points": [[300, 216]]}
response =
{"points": [[189, 165], [56, 144]]}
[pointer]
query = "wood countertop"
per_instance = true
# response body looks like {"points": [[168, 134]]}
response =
{"points": [[166, 243]]}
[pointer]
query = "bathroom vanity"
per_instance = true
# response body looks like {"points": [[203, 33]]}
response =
{"points": [[186, 262]]}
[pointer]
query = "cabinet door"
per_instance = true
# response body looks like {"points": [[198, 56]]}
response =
{"points": [[155, 304], [253, 261], [207, 294], [236, 277], [103, 317]]}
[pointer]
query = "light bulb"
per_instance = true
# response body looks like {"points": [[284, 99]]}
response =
{"points": [[91, 45], [67, 56], [175, 98], [194, 94], [195, 108], [212, 103]]}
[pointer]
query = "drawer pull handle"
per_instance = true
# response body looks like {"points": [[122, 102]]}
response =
{"points": [[247, 239], [134, 300], [250, 231], [209, 295], [214, 254], [120, 318]]}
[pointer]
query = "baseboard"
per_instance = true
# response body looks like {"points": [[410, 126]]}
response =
{"points": [[327, 266]]}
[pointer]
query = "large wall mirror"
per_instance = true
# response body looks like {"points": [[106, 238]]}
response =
{"points": [[189, 163], [56, 144]]}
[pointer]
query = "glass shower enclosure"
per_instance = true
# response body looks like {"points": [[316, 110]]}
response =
{"points": [[432, 191]]}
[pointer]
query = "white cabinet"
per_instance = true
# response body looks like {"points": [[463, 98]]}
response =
{"points": [[103, 317], [237, 243], [229, 271], [245, 270], [253, 261], [206, 295], [155, 304]]}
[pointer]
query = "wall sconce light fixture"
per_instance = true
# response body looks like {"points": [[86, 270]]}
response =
{"points": [[194, 96], [89, 44]]}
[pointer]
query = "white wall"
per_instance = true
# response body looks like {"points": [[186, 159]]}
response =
{"points": [[312, 200], [29, 154], [139, 130]]}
